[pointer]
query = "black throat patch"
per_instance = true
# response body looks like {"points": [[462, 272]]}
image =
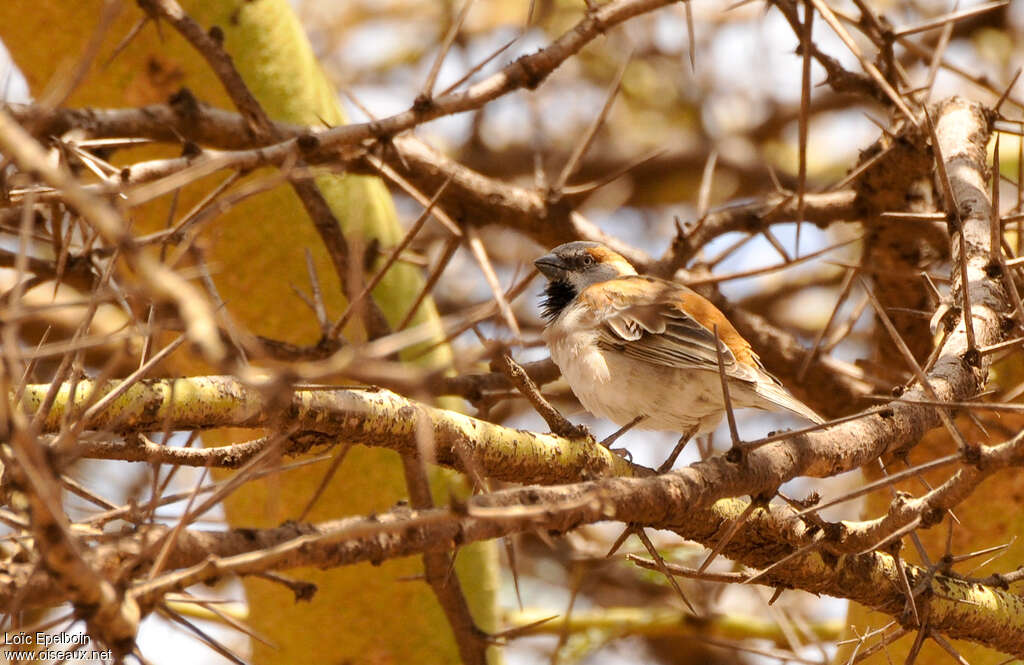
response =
{"points": [[557, 295]]}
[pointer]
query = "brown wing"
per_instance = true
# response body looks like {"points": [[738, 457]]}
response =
{"points": [[649, 319]]}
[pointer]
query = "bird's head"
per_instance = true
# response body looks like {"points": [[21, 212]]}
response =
{"points": [[581, 264], [574, 266]]}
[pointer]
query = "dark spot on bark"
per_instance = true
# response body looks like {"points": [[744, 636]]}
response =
{"points": [[191, 149], [993, 270], [52, 532], [163, 75], [833, 531], [217, 34], [422, 103], [972, 454], [304, 591], [971, 358], [932, 517], [370, 254], [377, 130], [307, 142], [183, 102], [735, 455], [531, 77]]}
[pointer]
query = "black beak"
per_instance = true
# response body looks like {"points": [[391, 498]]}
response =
{"points": [[552, 267]]}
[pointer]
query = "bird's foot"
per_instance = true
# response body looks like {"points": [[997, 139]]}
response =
{"points": [[623, 453]]}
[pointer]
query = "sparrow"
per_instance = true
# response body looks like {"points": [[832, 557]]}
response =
{"points": [[641, 351]]}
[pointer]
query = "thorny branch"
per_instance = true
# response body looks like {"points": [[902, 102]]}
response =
{"points": [[868, 578], [579, 483]]}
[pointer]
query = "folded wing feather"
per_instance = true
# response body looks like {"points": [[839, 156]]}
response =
{"points": [[648, 325]]}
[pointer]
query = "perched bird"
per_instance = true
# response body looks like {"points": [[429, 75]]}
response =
{"points": [[641, 350]]}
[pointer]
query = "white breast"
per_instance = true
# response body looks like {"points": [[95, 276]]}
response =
{"points": [[612, 386]]}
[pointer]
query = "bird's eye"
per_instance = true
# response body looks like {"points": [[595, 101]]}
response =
{"points": [[588, 260]]}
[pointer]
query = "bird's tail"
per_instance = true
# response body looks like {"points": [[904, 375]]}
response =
{"points": [[773, 392]]}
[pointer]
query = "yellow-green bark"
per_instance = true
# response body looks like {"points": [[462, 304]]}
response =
{"points": [[372, 417], [662, 622], [256, 251]]}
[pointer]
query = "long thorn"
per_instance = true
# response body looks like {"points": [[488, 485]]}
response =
{"points": [[653, 551], [720, 544], [805, 118], [588, 138], [726, 399], [449, 39]]}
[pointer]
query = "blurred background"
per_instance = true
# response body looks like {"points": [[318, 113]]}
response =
{"points": [[706, 118]]}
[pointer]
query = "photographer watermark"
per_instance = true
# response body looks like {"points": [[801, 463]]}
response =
{"points": [[40, 646]]}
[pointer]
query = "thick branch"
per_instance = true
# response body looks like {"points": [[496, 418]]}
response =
{"points": [[930, 508], [985, 614], [372, 417]]}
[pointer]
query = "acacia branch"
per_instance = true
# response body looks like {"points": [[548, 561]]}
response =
{"points": [[822, 209], [526, 72], [371, 416], [468, 197], [959, 608], [929, 509]]}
